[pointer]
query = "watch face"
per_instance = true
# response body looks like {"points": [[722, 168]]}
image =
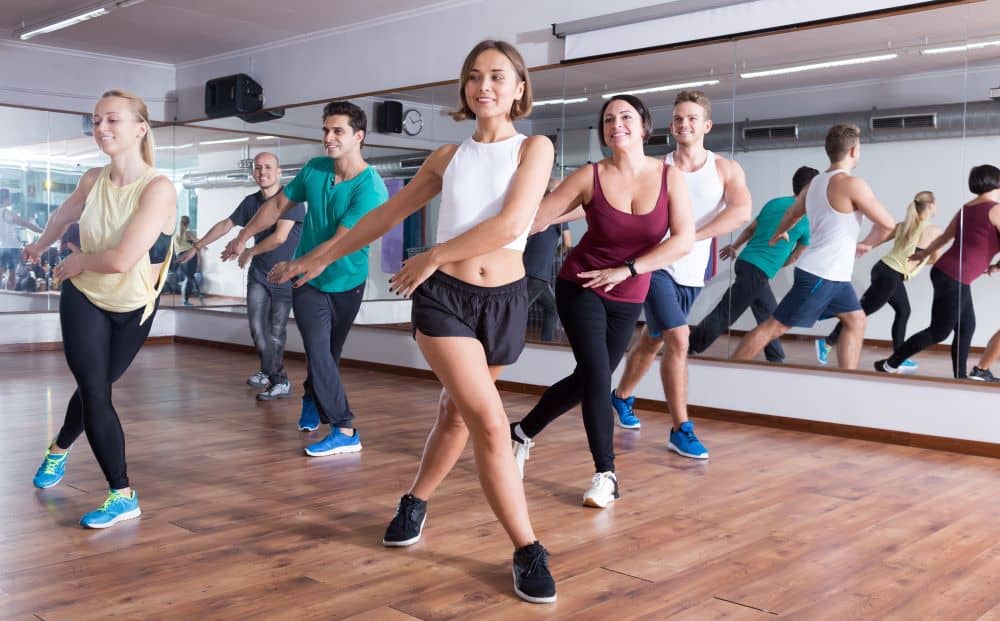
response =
{"points": [[413, 122]]}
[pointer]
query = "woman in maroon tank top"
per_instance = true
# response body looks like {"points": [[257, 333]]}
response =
{"points": [[977, 228], [630, 201]]}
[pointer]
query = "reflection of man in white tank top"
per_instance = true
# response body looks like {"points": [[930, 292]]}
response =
{"points": [[834, 202], [10, 245], [720, 202]]}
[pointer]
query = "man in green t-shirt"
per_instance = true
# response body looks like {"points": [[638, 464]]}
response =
{"points": [[756, 265], [338, 190]]}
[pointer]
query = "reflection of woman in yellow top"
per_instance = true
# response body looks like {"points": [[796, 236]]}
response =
{"points": [[111, 285]]}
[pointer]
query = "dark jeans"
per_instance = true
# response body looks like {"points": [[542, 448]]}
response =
{"points": [[598, 331], [324, 319], [540, 291], [886, 288], [99, 346], [951, 311], [268, 309], [749, 289], [186, 272]]}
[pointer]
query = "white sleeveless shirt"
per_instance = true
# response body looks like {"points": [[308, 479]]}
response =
{"points": [[833, 235], [475, 185], [8, 230], [706, 191]]}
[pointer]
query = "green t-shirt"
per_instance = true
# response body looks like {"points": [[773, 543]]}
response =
{"points": [[329, 207], [769, 258]]}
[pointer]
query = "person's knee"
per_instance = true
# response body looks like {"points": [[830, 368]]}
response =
{"points": [[449, 416], [856, 321], [676, 341]]}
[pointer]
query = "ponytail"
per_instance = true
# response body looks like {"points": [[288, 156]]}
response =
{"points": [[914, 210]]}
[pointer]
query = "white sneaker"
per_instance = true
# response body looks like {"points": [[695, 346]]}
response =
{"points": [[258, 379], [603, 490], [522, 449], [277, 391]]}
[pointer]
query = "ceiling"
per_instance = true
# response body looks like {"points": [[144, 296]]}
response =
{"points": [[177, 31]]}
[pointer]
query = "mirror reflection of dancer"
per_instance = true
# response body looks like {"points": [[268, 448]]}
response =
{"points": [[889, 275], [470, 299], [10, 245], [835, 203], [631, 201], [110, 291], [976, 231]]}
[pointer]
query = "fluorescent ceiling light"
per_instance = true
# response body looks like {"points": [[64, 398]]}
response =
{"points": [[659, 89], [225, 141], [27, 32], [861, 60], [549, 102], [273, 137], [174, 147], [960, 48]]}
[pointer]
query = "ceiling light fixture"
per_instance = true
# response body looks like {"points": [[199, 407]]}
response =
{"points": [[266, 137], [65, 21], [550, 102], [960, 48], [861, 60], [174, 147], [225, 141], [659, 89]]}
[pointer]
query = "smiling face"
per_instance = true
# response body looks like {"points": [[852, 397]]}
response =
{"points": [[622, 125], [266, 171], [117, 127], [689, 124], [339, 138], [492, 85]]}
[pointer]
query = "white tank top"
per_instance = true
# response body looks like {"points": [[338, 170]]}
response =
{"points": [[833, 235], [706, 191], [8, 230], [475, 184]]}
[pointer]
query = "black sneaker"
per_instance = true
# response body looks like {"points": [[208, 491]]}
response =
{"points": [[983, 375], [408, 523], [532, 580], [882, 366]]}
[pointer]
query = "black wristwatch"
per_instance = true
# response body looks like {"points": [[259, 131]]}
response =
{"points": [[630, 264]]}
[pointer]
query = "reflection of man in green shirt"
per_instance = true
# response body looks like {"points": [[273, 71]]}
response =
{"points": [[338, 190], [756, 265]]}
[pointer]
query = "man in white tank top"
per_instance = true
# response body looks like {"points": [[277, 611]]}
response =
{"points": [[835, 202], [720, 202], [10, 245]]}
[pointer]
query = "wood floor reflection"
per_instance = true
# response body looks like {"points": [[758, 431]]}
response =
{"points": [[238, 524]]}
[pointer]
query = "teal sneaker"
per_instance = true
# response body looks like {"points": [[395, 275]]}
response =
{"points": [[908, 367], [309, 418], [51, 471], [683, 442], [116, 508], [623, 409], [823, 350], [335, 444]]}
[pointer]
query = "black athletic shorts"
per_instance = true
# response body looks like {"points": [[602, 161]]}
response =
{"points": [[497, 317]]}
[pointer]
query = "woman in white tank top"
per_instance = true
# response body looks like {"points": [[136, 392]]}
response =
{"points": [[469, 294]]}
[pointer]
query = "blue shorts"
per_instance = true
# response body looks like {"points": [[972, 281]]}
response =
{"points": [[667, 304], [812, 298]]}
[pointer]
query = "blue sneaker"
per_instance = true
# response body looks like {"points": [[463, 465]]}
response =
{"points": [[51, 471], [683, 442], [823, 351], [309, 418], [908, 367], [335, 444], [116, 508], [623, 408]]}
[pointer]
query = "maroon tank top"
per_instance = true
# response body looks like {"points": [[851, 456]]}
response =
{"points": [[613, 236], [978, 241]]}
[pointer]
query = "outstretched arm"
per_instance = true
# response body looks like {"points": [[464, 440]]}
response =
{"points": [[264, 219], [67, 213], [218, 229], [564, 203], [729, 252]]}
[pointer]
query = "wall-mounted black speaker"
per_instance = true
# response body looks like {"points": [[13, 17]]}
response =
{"points": [[233, 94], [389, 118], [264, 115]]}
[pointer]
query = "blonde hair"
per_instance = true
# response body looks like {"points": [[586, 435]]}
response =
{"points": [[840, 139], [695, 97], [139, 108], [520, 108], [914, 210]]}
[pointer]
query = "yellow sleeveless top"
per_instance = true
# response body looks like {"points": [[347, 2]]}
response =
{"points": [[899, 257], [106, 213]]}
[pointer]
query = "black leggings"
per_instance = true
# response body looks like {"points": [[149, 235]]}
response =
{"points": [[886, 288], [99, 346], [599, 331], [951, 311]]}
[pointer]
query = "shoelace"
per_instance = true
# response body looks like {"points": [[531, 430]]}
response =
{"points": [[51, 463], [538, 560], [113, 496], [601, 480]]}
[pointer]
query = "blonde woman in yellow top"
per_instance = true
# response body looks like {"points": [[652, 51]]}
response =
{"points": [[891, 273], [110, 290]]}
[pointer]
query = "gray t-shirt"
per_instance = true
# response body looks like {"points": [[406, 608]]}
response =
{"points": [[262, 263]]}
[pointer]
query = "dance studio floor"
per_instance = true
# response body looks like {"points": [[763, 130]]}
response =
{"points": [[238, 524]]}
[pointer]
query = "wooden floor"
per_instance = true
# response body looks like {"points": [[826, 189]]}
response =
{"points": [[238, 524]]}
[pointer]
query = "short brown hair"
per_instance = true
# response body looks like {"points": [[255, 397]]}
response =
{"points": [[840, 139], [697, 97], [520, 108]]}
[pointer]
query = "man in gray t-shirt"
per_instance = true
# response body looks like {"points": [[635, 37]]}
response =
{"points": [[268, 305]]}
